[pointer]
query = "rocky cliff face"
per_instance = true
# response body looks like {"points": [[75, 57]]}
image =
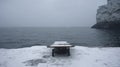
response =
{"points": [[108, 16]]}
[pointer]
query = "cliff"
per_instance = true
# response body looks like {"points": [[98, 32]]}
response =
{"points": [[108, 16]]}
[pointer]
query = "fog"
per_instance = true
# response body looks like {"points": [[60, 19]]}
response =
{"points": [[48, 13]]}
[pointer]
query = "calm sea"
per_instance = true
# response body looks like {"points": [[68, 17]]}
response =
{"points": [[17, 37]]}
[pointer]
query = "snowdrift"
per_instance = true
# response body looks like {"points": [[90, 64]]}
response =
{"points": [[40, 56]]}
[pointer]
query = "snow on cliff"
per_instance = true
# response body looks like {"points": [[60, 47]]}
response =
{"points": [[40, 56], [108, 16]]}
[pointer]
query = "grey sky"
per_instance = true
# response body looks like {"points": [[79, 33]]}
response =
{"points": [[48, 12]]}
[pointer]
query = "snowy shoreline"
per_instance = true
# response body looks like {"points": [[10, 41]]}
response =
{"points": [[40, 56]]}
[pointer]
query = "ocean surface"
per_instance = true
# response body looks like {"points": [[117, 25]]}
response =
{"points": [[18, 37]]}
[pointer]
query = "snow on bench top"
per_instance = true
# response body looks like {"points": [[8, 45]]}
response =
{"points": [[60, 44], [40, 56]]}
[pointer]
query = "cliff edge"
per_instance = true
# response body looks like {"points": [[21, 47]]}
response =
{"points": [[108, 16]]}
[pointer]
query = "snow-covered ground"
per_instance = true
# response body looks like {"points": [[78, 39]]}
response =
{"points": [[40, 56]]}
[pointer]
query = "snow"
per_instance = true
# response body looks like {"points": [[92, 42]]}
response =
{"points": [[40, 56], [60, 46], [60, 42]]}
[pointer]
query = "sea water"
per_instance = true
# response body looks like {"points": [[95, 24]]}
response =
{"points": [[18, 37]]}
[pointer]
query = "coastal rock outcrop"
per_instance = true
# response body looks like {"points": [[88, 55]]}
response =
{"points": [[108, 16]]}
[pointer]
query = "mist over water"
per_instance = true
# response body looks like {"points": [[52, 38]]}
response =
{"points": [[45, 13], [25, 23], [18, 37]]}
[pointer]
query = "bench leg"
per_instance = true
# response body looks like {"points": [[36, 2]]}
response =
{"points": [[68, 53], [53, 52]]}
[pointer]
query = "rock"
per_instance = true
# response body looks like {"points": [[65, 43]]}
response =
{"points": [[108, 16]]}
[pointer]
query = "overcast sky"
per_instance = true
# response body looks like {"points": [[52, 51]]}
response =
{"points": [[43, 13]]}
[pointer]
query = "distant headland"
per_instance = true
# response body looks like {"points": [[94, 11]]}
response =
{"points": [[108, 16]]}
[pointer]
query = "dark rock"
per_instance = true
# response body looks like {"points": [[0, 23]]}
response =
{"points": [[108, 16]]}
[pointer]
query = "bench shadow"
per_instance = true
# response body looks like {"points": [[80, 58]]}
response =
{"points": [[34, 62]]}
